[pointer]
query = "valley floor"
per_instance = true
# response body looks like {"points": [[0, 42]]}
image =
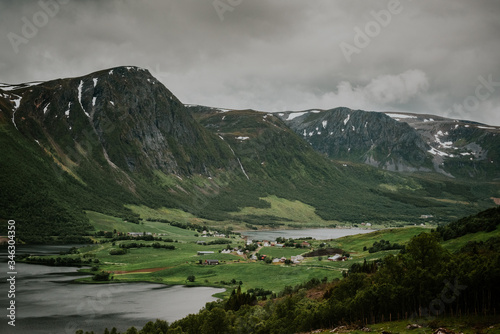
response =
{"points": [[174, 266]]}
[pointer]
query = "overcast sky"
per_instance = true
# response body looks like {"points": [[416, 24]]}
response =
{"points": [[426, 56]]}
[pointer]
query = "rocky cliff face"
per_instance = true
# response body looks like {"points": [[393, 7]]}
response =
{"points": [[123, 117], [369, 137], [98, 142], [401, 141], [458, 148]]}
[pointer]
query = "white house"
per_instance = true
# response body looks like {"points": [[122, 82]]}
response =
{"points": [[335, 257]]}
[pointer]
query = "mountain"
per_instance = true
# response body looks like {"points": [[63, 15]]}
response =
{"points": [[402, 141], [118, 137], [459, 148], [279, 161], [99, 141], [94, 115]]}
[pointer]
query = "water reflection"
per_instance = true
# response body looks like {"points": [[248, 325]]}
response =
{"points": [[316, 233], [47, 301]]}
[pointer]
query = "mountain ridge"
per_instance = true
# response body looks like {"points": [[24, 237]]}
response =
{"points": [[118, 136], [398, 141]]}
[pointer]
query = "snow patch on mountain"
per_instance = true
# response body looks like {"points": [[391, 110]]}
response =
{"points": [[295, 115], [67, 111], [17, 102], [80, 87], [447, 144], [434, 151], [397, 116]]}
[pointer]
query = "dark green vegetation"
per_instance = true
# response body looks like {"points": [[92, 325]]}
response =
{"points": [[425, 285], [119, 143], [384, 245], [98, 142], [425, 281], [485, 221]]}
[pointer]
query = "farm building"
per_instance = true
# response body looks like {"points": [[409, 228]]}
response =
{"points": [[205, 252]]}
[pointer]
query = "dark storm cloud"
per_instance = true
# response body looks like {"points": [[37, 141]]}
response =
{"points": [[429, 56]]}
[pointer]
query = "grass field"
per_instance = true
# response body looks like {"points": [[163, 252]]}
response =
{"points": [[455, 244], [103, 222], [174, 266], [290, 211], [166, 213], [355, 243]]}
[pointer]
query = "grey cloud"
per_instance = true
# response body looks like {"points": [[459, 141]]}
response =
{"points": [[272, 55]]}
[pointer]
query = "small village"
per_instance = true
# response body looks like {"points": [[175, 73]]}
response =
{"points": [[250, 251]]}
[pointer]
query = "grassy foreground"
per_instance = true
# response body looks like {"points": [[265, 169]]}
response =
{"points": [[465, 325]]}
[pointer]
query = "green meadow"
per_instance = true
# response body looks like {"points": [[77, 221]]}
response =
{"points": [[174, 266]]}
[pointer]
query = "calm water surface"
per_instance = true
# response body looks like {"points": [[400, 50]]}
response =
{"points": [[316, 233], [48, 302]]}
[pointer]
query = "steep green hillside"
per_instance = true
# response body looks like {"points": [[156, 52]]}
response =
{"points": [[98, 142], [277, 161], [486, 221]]}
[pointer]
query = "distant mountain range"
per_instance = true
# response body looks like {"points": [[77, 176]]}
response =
{"points": [[402, 141], [118, 136]]}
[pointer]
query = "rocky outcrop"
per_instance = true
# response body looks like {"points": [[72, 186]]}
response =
{"points": [[402, 142], [121, 116], [368, 137]]}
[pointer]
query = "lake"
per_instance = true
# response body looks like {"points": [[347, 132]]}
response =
{"points": [[315, 233], [48, 302]]}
